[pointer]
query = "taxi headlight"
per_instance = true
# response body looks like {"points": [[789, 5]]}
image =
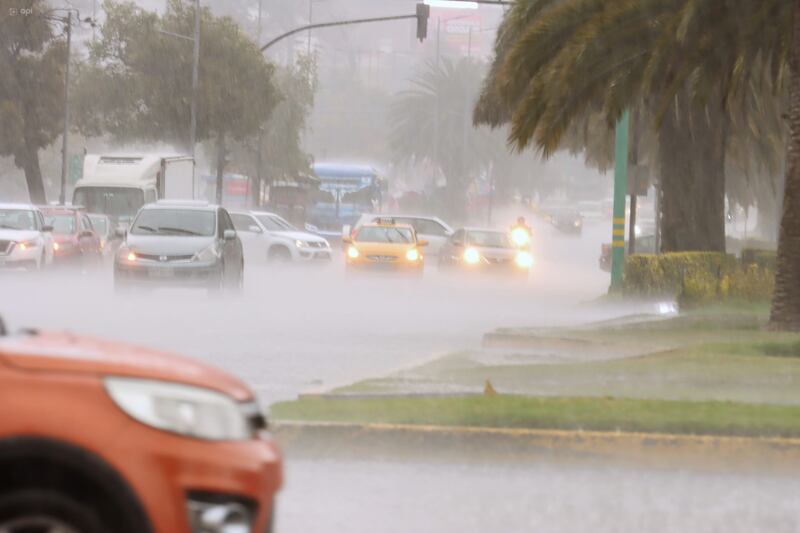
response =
{"points": [[471, 256], [208, 254], [412, 255], [183, 409], [520, 237], [524, 259], [352, 252]]}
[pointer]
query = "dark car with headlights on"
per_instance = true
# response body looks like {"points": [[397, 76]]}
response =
{"points": [[486, 251], [187, 244], [567, 220]]}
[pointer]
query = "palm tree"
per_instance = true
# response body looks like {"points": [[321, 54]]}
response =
{"points": [[683, 60], [431, 122]]}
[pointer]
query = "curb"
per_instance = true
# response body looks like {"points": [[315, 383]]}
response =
{"points": [[398, 441]]}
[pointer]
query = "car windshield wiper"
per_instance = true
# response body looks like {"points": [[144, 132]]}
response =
{"points": [[147, 228], [182, 231]]}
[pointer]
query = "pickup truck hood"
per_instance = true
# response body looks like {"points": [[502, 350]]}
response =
{"points": [[17, 234], [299, 236], [67, 353]]}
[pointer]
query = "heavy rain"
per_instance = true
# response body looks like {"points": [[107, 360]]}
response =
{"points": [[431, 266]]}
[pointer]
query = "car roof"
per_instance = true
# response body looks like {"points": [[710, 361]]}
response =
{"points": [[386, 225], [484, 230], [183, 204], [21, 206], [61, 209]]}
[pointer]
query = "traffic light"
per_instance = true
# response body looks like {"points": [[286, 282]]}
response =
{"points": [[423, 13]]}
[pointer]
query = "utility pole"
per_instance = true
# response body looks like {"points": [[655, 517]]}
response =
{"points": [[63, 193], [310, 21], [634, 183], [195, 68], [256, 193], [620, 189]]}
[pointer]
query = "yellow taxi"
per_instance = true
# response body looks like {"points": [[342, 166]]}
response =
{"points": [[384, 245]]}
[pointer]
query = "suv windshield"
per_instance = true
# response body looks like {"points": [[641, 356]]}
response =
{"points": [[63, 224], [19, 219], [275, 223], [489, 239], [386, 234], [191, 222]]}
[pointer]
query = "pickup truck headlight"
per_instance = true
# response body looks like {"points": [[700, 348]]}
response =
{"points": [[209, 254], [182, 409], [524, 259]]}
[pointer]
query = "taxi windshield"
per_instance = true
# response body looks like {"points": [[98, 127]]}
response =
{"points": [[385, 234], [489, 239]]}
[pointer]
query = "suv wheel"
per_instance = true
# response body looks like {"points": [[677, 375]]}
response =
{"points": [[42, 511], [279, 255]]}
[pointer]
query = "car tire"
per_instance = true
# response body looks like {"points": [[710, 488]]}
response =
{"points": [[279, 255], [217, 283], [42, 510]]}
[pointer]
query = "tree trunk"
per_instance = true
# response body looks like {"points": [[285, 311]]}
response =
{"points": [[692, 143], [220, 166], [28, 159], [786, 302]]}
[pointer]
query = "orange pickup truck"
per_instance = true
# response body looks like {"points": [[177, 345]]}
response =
{"points": [[100, 437]]}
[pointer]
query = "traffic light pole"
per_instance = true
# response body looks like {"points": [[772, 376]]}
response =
{"points": [[332, 24], [620, 190]]}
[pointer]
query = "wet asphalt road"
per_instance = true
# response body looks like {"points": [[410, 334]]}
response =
{"points": [[306, 329]]}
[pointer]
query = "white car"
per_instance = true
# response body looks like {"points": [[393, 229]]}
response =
{"points": [[269, 237], [431, 229], [25, 239]]}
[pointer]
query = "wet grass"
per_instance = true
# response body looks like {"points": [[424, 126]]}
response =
{"points": [[572, 413]]}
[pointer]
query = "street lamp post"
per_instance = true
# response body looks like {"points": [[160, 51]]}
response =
{"points": [[195, 68], [63, 192]]}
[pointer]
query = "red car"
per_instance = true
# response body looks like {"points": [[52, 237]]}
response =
{"points": [[105, 437], [74, 236]]}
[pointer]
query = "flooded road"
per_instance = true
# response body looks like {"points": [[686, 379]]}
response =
{"points": [[308, 329], [392, 497]]}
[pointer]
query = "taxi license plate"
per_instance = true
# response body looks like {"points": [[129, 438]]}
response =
{"points": [[160, 273]]}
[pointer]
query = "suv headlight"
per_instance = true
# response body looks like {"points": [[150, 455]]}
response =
{"points": [[182, 409], [300, 244], [209, 254], [25, 245]]}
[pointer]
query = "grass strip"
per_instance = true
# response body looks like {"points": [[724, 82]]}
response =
{"points": [[590, 414]]}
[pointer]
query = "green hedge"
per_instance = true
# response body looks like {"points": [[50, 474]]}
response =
{"points": [[762, 258], [697, 278]]}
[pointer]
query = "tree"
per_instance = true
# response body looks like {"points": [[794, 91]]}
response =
{"points": [[431, 122], [702, 53], [138, 85], [281, 154], [32, 62]]}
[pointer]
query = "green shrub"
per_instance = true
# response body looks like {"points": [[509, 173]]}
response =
{"points": [[763, 258], [701, 278]]}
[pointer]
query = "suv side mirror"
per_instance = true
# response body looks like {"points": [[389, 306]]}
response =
{"points": [[347, 239], [254, 229], [229, 234], [47, 228]]}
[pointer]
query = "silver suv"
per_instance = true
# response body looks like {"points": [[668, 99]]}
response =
{"points": [[180, 244]]}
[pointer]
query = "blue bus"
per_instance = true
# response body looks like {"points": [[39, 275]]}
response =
{"points": [[345, 192]]}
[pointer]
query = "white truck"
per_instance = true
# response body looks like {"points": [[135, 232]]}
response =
{"points": [[117, 185]]}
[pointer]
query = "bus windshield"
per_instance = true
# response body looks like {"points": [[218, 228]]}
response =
{"points": [[117, 202]]}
